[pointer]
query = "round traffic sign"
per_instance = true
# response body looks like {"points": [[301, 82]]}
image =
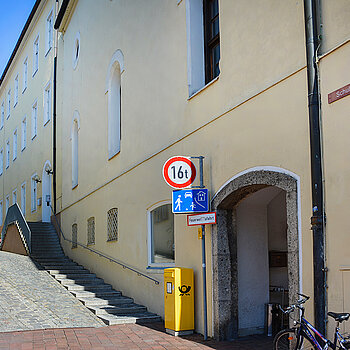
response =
{"points": [[179, 172]]}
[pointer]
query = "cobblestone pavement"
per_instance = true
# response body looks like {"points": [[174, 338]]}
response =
{"points": [[31, 299], [121, 337]]}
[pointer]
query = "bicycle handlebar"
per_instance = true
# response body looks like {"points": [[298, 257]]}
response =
{"points": [[291, 308]]}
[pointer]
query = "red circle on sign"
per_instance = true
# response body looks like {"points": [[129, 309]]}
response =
{"points": [[172, 160]]}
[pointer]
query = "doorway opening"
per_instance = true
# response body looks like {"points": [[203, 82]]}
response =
{"points": [[46, 192], [255, 250]]}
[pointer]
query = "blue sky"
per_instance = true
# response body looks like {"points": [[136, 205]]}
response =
{"points": [[13, 16]]}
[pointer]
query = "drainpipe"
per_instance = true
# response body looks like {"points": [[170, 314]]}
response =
{"points": [[318, 219], [54, 131]]}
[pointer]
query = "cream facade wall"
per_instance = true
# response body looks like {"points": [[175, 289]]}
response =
{"points": [[253, 115], [38, 150]]}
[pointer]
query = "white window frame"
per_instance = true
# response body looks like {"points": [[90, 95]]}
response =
{"points": [[150, 238], [14, 196], [36, 55], [1, 213], [75, 148], [23, 198], [49, 32], [7, 204], [34, 193], [24, 133], [1, 161], [47, 102], [15, 94], [34, 122], [7, 154], [14, 145], [2, 117], [8, 104], [25, 74]]}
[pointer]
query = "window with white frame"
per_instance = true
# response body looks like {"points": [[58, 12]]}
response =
{"points": [[23, 198], [34, 194], [2, 116], [1, 218], [7, 203], [14, 152], [8, 103], [1, 161], [34, 119], [75, 151], [25, 74], [115, 70], [47, 103], [36, 55], [24, 134], [15, 97], [14, 196], [49, 26], [161, 236], [7, 153]]}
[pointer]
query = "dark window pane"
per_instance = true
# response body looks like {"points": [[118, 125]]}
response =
{"points": [[216, 59], [215, 27], [214, 8]]}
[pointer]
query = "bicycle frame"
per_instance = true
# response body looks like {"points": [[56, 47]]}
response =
{"points": [[305, 327]]}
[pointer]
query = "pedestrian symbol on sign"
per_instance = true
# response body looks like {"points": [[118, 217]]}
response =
{"points": [[190, 201]]}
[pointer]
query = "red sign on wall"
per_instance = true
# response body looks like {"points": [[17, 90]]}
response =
{"points": [[338, 94]]}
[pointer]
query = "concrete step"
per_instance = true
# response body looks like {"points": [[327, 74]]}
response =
{"points": [[124, 310], [100, 302], [83, 294], [89, 287], [67, 270], [74, 275], [80, 280], [138, 318]]}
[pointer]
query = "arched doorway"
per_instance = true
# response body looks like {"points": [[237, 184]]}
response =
{"points": [[46, 192], [242, 243]]}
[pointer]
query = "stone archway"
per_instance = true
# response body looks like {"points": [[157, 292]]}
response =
{"points": [[224, 243]]}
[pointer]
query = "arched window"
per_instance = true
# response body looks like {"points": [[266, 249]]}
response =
{"points": [[113, 89], [75, 149], [161, 236]]}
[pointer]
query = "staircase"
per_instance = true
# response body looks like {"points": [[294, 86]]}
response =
{"points": [[100, 298]]}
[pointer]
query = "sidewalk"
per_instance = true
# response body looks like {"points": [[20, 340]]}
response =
{"points": [[121, 337]]}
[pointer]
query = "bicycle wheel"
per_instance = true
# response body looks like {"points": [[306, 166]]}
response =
{"points": [[287, 340]]}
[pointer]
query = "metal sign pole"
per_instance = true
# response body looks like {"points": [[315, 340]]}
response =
{"points": [[204, 267]]}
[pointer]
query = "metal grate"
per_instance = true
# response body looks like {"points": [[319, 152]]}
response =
{"points": [[74, 235], [91, 231], [112, 224]]}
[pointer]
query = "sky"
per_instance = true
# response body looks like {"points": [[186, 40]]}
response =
{"points": [[13, 16]]}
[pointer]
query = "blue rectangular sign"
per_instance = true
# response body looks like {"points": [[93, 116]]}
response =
{"points": [[190, 201]]}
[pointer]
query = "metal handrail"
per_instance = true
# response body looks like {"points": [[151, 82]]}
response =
{"points": [[102, 254]]}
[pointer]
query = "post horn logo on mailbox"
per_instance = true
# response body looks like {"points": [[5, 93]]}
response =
{"points": [[184, 290]]}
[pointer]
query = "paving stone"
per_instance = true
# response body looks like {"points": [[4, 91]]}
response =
{"points": [[31, 299]]}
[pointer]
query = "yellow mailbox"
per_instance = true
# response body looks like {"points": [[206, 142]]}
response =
{"points": [[179, 301]]}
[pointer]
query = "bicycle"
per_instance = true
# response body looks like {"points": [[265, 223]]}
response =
{"points": [[303, 335]]}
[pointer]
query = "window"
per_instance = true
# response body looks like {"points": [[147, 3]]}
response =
{"points": [[25, 74], [34, 194], [91, 231], [7, 203], [34, 119], [23, 198], [75, 150], [161, 236], [14, 153], [49, 22], [14, 196], [8, 104], [74, 236], [1, 218], [76, 50], [7, 153], [47, 103], [115, 70], [36, 55], [1, 161], [24, 134], [16, 92], [2, 115], [211, 39], [112, 225]]}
